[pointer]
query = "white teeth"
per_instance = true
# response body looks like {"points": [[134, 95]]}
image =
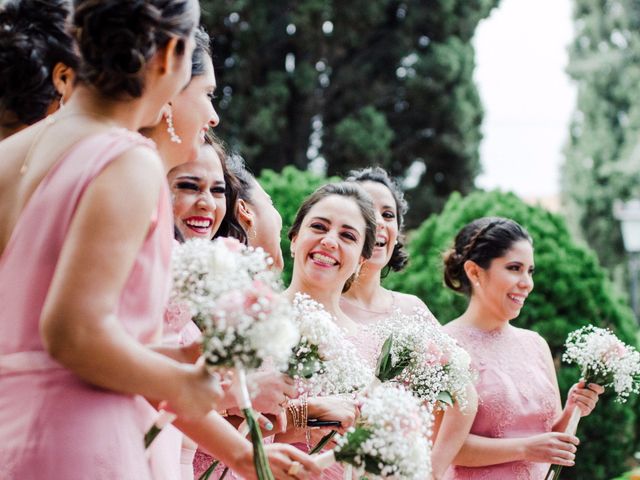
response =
{"points": [[318, 257], [199, 223], [517, 298]]}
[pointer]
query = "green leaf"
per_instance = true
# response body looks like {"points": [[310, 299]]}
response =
{"points": [[446, 398]]}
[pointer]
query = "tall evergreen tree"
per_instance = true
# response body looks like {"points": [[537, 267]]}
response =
{"points": [[603, 155], [353, 83]]}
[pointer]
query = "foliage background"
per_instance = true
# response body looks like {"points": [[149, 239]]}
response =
{"points": [[388, 82], [603, 153]]}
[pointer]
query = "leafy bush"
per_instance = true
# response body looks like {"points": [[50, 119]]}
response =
{"points": [[288, 189], [571, 290]]}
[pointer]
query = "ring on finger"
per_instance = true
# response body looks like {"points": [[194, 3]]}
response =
{"points": [[294, 469]]}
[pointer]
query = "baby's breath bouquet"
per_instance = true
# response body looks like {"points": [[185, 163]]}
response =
{"points": [[203, 270], [605, 360], [420, 356], [323, 350], [233, 296], [390, 438]]}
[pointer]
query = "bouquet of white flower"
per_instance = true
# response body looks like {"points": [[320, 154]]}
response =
{"points": [[336, 365], [420, 356], [203, 270], [605, 360], [390, 438], [230, 292]]}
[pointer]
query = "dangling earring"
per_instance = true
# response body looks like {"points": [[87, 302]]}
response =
{"points": [[293, 255], [61, 102], [174, 137]]}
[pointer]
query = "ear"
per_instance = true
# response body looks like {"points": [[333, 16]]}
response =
{"points": [[244, 214], [473, 271], [293, 244], [167, 59], [63, 78]]}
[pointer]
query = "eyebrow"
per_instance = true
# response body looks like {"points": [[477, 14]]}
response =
{"points": [[345, 225], [188, 177]]}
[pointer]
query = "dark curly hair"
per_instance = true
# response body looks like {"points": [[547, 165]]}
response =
{"points": [[230, 226], [117, 38], [348, 190], [399, 256], [480, 241], [34, 38]]}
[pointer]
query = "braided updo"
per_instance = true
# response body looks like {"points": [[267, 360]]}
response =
{"points": [[34, 37], [480, 241], [117, 38]]}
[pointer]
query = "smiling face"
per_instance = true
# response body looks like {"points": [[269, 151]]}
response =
{"points": [[386, 223], [328, 246], [505, 285], [198, 191], [193, 111]]}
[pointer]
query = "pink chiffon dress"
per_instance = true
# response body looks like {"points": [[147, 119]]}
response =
{"points": [[53, 424], [179, 330], [517, 394]]}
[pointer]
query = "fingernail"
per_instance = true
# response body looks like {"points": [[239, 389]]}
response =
{"points": [[268, 426]]}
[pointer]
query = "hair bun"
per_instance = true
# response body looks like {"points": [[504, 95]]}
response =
{"points": [[116, 39], [33, 38], [454, 275]]}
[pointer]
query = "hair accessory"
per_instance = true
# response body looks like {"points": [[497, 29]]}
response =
{"points": [[175, 138]]}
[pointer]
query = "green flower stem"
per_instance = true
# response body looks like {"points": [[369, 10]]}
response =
{"points": [[260, 461], [323, 441], [209, 471]]}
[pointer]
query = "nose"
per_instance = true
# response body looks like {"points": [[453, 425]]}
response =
{"points": [[526, 281], [205, 202], [214, 119], [329, 241]]}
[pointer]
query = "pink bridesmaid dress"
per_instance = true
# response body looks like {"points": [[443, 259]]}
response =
{"points": [[52, 424], [517, 395]]}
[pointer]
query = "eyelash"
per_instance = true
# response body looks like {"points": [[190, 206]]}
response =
{"points": [[187, 186], [389, 215], [322, 228], [212, 96]]}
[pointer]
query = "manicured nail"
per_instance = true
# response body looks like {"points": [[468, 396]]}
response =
{"points": [[269, 426]]}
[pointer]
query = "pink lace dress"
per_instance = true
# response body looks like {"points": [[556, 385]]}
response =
{"points": [[51, 422], [517, 395]]}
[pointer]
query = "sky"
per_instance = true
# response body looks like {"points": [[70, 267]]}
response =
{"points": [[521, 55]]}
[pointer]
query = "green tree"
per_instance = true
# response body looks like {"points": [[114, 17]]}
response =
{"points": [[288, 189], [571, 290], [603, 156], [353, 83]]}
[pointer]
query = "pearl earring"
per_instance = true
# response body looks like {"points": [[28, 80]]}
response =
{"points": [[175, 138]]}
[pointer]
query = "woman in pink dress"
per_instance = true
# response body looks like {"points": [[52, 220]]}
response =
{"points": [[85, 238], [367, 302], [332, 234], [36, 45], [517, 432]]}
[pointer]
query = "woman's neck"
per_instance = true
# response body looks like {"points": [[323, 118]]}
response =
{"points": [[128, 114], [328, 297], [367, 292], [482, 317]]}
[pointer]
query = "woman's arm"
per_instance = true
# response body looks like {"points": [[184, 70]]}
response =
{"points": [[452, 433], [552, 447], [78, 325], [217, 437], [579, 396]]}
